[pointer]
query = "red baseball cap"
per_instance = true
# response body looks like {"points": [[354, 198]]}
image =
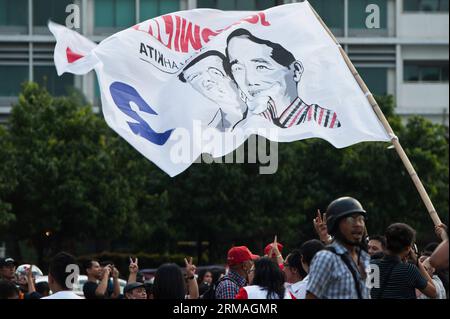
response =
{"points": [[269, 247], [238, 255]]}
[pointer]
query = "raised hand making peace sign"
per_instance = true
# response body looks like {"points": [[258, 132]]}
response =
{"points": [[320, 225], [190, 268], [133, 267]]}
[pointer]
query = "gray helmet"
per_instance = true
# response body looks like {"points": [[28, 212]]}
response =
{"points": [[340, 208]]}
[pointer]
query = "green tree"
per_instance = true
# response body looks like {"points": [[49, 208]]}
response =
{"points": [[74, 182], [229, 204], [71, 183], [7, 180]]}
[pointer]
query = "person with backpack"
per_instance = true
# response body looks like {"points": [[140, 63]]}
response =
{"points": [[339, 271], [241, 263]]}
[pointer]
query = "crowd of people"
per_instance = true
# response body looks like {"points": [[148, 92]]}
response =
{"points": [[344, 263]]}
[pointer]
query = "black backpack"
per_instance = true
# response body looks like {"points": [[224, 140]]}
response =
{"points": [[211, 292]]}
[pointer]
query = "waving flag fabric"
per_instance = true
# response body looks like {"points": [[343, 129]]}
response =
{"points": [[203, 81]]}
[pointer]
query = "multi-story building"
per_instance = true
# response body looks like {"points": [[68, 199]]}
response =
{"points": [[406, 55]]}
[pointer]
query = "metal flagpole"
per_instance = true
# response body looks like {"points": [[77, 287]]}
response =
{"points": [[394, 139]]}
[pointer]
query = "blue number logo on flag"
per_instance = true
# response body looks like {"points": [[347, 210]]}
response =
{"points": [[123, 94]]}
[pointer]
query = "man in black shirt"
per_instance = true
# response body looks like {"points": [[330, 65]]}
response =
{"points": [[98, 279], [399, 279]]}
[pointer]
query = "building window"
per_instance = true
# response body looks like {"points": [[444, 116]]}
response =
{"points": [[111, 15], [332, 13], [426, 71], [376, 79], [56, 85], [154, 8], [44, 10], [10, 19], [242, 5], [357, 14], [425, 5], [12, 78]]}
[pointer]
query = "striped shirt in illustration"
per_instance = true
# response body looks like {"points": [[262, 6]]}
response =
{"points": [[299, 112]]}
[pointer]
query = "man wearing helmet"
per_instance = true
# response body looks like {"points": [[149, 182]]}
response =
{"points": [[339, 271]]}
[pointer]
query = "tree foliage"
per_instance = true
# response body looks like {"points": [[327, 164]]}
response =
{"points": [[69, 182]]}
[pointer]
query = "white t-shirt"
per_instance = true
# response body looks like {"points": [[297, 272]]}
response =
{"points": [[65, 294], [298, 289], [257, 292], [441, 294]]}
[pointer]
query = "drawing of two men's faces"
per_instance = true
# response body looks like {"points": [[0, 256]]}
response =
{"points": [[248, 78]]}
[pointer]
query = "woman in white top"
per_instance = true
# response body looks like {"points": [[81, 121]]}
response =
{"points": [[424, 259], [294, 274], [301, 260], [267, 282]]}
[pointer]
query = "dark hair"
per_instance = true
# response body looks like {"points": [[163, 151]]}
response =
{"points": [[268, 275], [279, 53], [294, 260], [169, 283], [42, 288], [216, 274], [399, 236], [8, 289], [88, 264], [202, 274], [379, 238], [201, 57], [58, 268], [309, 249]]}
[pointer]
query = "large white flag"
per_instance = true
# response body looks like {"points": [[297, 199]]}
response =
{"points": [[202, 81]]}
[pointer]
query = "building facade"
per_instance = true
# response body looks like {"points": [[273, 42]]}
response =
{"points": [[405, 53]]}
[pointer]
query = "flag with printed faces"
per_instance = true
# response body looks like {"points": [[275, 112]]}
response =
{"points": [[204, 80]]}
